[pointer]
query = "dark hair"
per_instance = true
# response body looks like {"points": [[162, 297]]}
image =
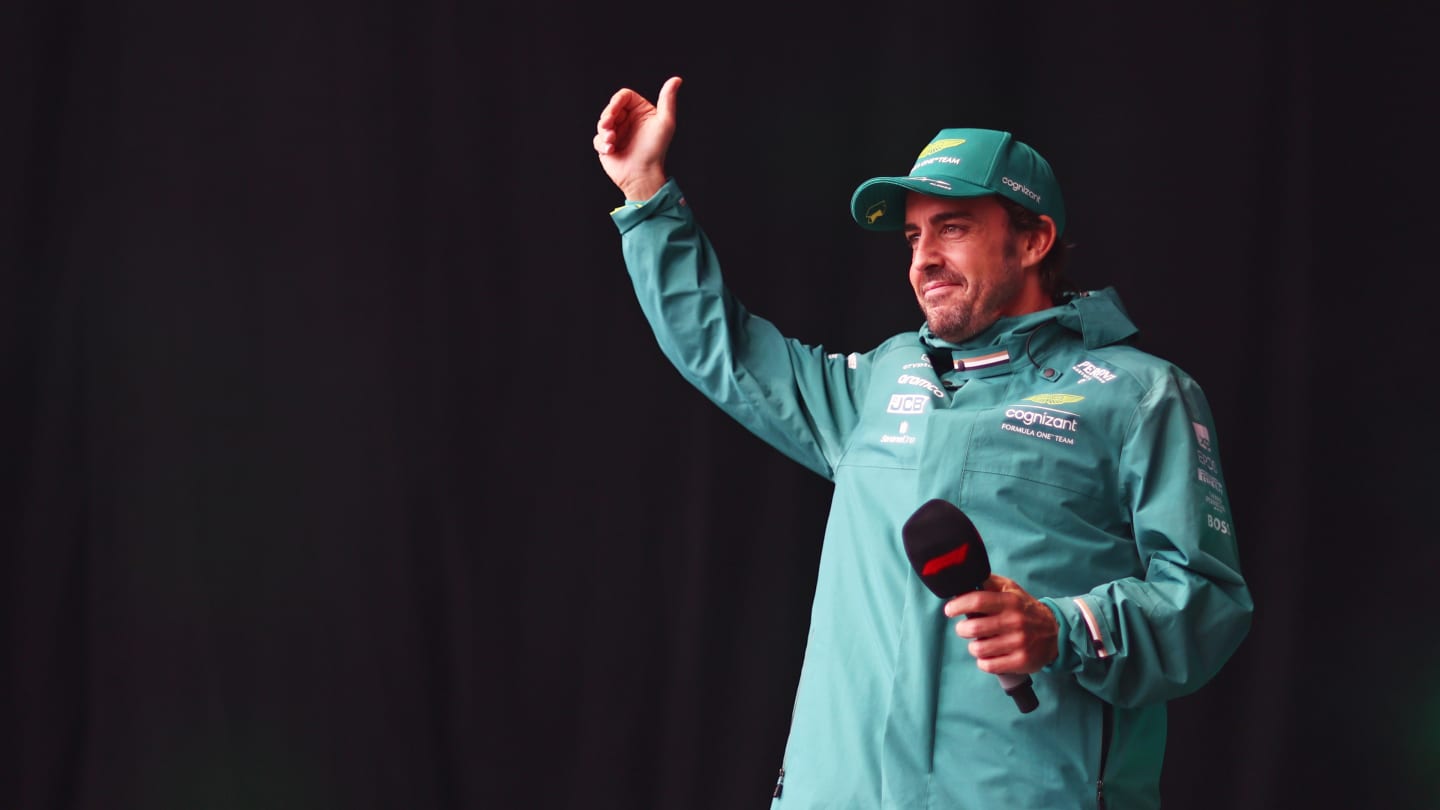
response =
{"points": [[1052, 266]]}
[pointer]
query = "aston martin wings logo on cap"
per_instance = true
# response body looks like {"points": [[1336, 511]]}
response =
{"points": [[936, 146], [1054, 399]]}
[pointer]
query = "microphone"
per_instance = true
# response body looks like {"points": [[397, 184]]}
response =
{"points": [[946, 551]]}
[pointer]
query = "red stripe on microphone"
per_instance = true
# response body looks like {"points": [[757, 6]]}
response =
{"points": [[945, 560]]}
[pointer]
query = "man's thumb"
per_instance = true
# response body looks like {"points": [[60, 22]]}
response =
{"points": [[666, 102]]}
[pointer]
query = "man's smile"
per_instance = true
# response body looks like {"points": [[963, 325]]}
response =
{"points": [[940, 286]]}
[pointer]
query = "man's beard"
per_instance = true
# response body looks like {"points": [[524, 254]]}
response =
{"points": [[957, 323]]}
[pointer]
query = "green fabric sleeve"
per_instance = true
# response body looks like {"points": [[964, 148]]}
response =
{"points": [[1162, 636], [798, 399]]}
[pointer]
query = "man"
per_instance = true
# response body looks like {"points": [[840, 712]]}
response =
{"points": [[1089, 468]]}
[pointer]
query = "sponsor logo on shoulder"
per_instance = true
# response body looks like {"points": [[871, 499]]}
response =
{"points": [[911, 379], [923, 362], [1206, 461], [1089, 371], [1202, 435], [1206, 468], [1219, 524], [904, 437], [907, 403], [1209, 480]]}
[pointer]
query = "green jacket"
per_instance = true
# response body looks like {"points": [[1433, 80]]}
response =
{"points": [[1092, 473]]}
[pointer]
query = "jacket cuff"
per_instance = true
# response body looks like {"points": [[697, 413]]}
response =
{"points": [[1084, 634], [634, 212]]}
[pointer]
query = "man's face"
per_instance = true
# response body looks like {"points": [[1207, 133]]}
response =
{"points": [[966, 265]]}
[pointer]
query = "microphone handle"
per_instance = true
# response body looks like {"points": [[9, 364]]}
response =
{"points": [[1020, 688]]}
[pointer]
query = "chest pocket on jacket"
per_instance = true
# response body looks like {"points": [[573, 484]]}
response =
{"points": [[1051, 442]]}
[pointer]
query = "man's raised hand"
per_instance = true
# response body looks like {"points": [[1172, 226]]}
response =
{"points": [[632, 137]]}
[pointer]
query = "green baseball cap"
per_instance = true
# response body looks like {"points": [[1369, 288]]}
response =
{"points": [[963, 163]]}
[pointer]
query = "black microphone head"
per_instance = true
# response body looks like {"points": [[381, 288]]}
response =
{"points": [[945, 549]]}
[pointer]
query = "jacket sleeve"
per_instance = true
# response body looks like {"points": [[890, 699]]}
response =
{"points": [[1149, 639], [795, 397]]}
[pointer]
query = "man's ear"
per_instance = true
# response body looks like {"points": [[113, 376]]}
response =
{"points": [[1036, 242]]}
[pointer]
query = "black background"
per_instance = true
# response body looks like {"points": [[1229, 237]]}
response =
{"points": [[341, 470]]}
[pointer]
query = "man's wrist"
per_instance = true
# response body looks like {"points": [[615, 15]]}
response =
{"points": [[642, 189]]}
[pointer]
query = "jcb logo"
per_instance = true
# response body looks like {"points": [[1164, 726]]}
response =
{"points": [[907, 403]]}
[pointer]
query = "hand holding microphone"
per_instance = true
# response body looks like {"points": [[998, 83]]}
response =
{"points": [[1012, 631]]}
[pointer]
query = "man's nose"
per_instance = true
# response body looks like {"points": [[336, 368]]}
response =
{"points": [[924, 256]]}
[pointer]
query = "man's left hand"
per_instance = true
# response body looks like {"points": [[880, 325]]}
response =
{"points": [[1011, 631]]}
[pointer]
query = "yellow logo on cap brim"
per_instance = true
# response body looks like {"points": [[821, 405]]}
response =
{"points": [[875, 212]]}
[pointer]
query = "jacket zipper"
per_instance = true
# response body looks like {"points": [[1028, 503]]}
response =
{"points": [[790, 729], [1106, 713]]}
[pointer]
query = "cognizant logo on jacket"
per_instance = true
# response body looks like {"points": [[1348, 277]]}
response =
{"points": [[1043, 421]]}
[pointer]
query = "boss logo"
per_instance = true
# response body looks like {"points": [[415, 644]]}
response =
{"points": [[907, 403]]}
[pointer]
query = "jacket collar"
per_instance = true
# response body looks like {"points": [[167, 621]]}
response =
{"points": [[1097, 316]]}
